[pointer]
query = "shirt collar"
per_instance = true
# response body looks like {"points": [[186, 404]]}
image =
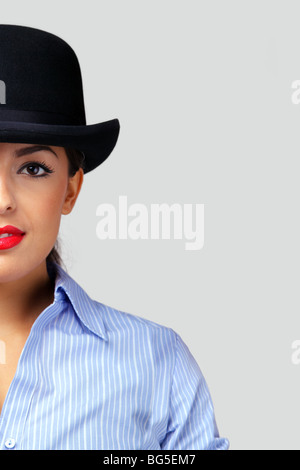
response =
{"points": [[87, 310]]}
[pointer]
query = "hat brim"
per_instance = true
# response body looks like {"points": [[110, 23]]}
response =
{"points": [[96, 141]]}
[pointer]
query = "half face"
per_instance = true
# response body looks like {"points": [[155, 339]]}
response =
{"points": [[35, 190]]}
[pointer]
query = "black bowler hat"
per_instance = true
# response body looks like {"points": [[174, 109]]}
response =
{"points": [[41, 96]]}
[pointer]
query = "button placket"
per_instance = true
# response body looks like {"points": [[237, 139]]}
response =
{"points": [[12, 429]]}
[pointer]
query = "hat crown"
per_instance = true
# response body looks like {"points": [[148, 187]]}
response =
{"points": [[40, 73]]}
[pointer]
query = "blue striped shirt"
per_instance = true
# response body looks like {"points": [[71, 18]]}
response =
{"points": [[92, 377]]}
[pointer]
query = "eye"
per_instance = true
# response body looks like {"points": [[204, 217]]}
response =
{"points": [[35, 169]]}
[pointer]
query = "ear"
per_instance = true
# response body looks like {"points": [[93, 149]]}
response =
{"points": [[72, 192]]}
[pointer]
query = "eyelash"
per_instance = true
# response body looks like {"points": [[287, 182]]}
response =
{"points": [[42, 165]]}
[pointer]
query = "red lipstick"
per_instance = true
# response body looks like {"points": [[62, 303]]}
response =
{"points": [[10, 236]]}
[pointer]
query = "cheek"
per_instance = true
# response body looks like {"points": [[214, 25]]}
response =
{"points": [[43, 210]]}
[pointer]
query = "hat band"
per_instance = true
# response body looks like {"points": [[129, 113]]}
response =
{"points": [[38, 117]]}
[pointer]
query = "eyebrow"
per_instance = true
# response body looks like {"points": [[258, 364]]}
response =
{"points": [[32, 149]]}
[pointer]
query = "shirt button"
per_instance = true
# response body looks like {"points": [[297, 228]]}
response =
{"points": [[10, 443]]}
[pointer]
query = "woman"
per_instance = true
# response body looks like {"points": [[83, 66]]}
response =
{"points": [[77, 374]]}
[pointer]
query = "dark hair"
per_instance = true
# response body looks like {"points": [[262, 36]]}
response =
{"points": [[76, 161]]}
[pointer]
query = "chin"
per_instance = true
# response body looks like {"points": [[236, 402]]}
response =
{"points": [[14, 267]]}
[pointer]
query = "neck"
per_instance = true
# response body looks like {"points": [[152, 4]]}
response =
{"points": [[22, 301]]}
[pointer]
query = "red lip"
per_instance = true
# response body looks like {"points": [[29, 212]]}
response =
{"points": [[11, 229], [13, 240]]}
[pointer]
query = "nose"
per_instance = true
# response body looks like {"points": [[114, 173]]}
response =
{"points": [[7, 200]]}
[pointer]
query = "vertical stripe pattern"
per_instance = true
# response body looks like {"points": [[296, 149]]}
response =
{"points": [[92, 377]]}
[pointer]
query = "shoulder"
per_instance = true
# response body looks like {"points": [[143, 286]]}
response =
{"points": [[122, 322], [115, 325], [152, 347]]}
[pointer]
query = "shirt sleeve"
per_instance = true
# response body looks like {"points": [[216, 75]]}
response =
{"points": [[192, 424]]}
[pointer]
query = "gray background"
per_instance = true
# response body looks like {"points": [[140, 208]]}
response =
{"points": [[203, 93]]}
